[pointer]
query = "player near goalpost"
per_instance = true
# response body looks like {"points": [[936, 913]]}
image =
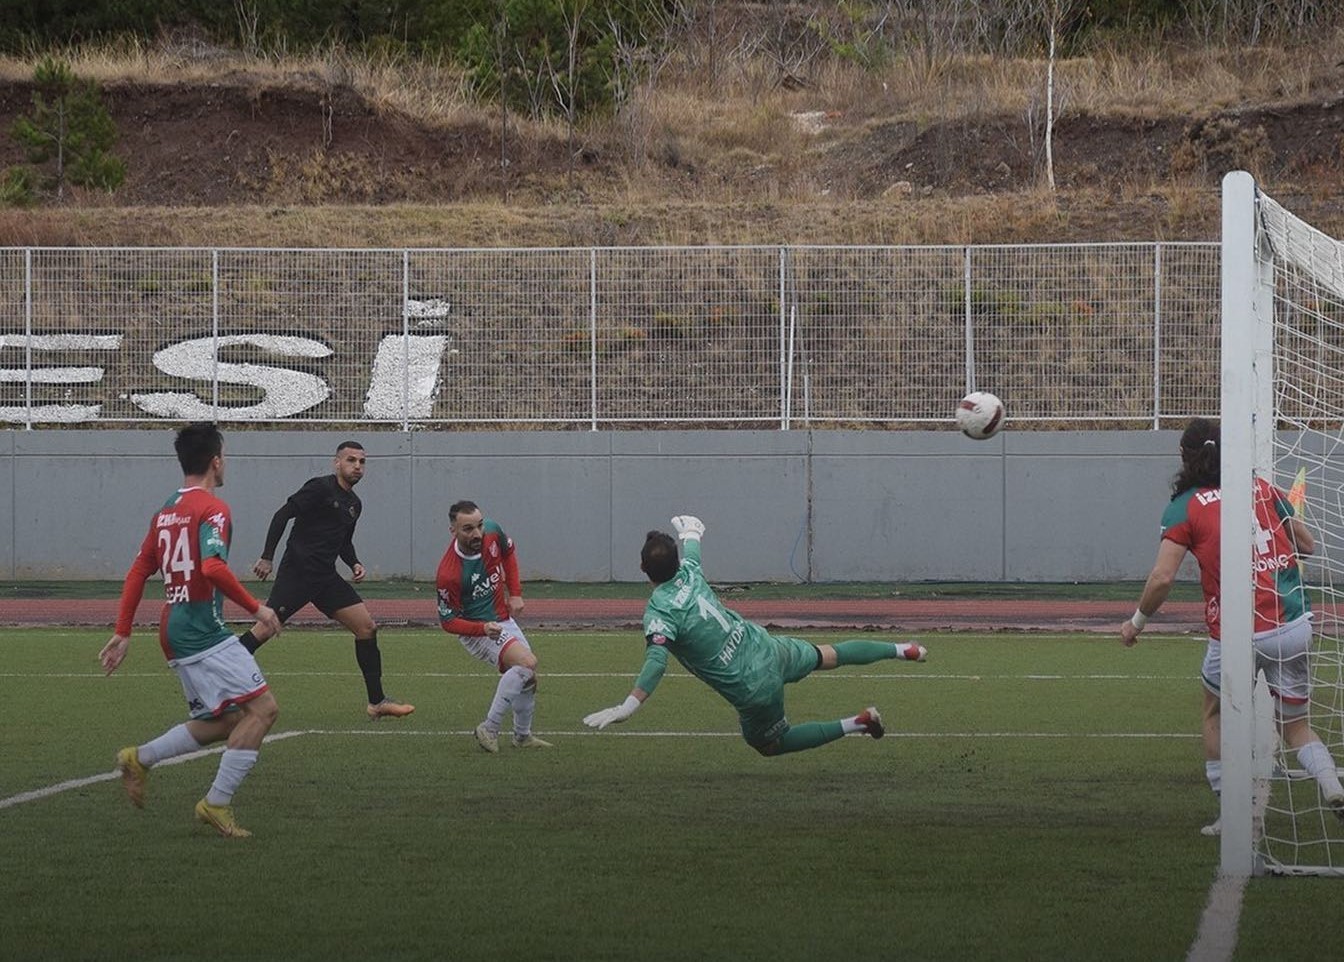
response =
{"points": [[737, 658], [480, 595], [227, 696], [1192, 522]]}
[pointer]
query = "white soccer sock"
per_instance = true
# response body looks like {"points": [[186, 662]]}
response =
{"points": [[851, 725], [1213, 771], [233, 768], [525, 704], [175, 741], [510, 684], [1315, 758]]}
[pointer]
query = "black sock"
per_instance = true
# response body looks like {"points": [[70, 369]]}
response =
{"points": [[249, 641], [371, 664]]}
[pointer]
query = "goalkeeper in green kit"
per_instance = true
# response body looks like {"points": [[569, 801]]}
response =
{"points": [[740, 660]]}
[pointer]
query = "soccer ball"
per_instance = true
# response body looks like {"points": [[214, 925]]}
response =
{"points": [[980, 415]]}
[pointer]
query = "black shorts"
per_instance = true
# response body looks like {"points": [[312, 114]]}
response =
{"points": [[328, 593]]}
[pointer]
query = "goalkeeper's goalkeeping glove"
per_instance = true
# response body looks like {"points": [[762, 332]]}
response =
{"points": [[611, 716], [688, 527]]}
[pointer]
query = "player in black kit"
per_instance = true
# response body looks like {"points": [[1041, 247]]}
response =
{"points": [[325, 511]]}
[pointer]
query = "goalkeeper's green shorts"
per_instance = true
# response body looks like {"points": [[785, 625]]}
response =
{"points": [[763, 721]]}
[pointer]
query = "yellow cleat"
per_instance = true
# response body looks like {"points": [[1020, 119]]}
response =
{"points": [[530, 741], [133, 775], [220, 818], [387, 708]]}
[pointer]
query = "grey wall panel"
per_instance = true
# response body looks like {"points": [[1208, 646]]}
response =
{"points": [[829, 505], [8, 504], [750, 489], [915, 506], [551, 492], [1085, 507]]}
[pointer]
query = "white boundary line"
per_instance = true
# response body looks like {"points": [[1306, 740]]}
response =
{"points": [[1216, 940], [38, 794]]}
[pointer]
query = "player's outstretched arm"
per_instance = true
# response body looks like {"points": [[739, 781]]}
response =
{"points": [[655, 663], [617, 713], [1155, 590]]}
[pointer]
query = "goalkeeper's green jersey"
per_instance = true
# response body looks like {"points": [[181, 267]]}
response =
{"points": [[730, 654]]}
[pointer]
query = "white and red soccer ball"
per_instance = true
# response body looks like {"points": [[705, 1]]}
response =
{"points": [[980, 415]]}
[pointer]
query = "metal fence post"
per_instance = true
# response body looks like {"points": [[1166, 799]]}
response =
{"points": [[214, 326], [28, 336], [406, 340], [783, 359], [970, 330], [592, 336], [1157, 336]]}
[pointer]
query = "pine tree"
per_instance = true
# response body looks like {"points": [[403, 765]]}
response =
{"points": [[70, 126]]}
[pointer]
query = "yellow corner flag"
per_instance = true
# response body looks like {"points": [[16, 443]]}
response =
{"points": [[1297, 494]]}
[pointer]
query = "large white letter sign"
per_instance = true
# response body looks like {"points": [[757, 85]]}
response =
{"points": [[286, 392], [55, 375], [394, 379]]}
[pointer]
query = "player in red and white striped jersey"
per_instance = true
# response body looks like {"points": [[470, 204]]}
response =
{"points": [[1192, 522]]}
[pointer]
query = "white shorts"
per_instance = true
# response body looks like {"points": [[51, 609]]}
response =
{"points": [[1281, 653], [489, 650], [219, 678]]}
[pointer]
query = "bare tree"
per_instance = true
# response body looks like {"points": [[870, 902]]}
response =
{"points": [[565, 81]]}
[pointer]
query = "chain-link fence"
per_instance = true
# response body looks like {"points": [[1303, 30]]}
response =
{"points": [[1068, 335]]}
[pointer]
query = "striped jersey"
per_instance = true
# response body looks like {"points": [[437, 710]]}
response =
{"points": [[472, 586], [1193, 520], [193, 525]]}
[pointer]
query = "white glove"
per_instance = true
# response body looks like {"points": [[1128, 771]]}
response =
{"points": [[611, 716], [688, 527]]}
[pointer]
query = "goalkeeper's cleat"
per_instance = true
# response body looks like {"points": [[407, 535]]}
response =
{"points": [[871, 721], [220, 818], [1335, 803], [914, 652], [387, 708], [134, 775], [488, 740], [530, 741]]}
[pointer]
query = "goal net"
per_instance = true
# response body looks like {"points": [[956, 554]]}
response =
{"points": [[1283, 421]]}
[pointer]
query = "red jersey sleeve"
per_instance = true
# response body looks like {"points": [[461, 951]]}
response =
{"points": [[133, 588]]}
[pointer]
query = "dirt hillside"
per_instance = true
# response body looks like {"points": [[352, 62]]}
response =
{"points": [[291, 150]]}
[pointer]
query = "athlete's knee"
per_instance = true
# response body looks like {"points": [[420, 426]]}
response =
{"points": [[266, 709], [526, 674], [769, 749]]}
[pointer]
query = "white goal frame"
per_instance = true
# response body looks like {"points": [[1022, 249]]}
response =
{"points": [[1249, 419]]}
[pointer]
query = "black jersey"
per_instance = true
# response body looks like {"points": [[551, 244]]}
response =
{"points": [[324, 516]]}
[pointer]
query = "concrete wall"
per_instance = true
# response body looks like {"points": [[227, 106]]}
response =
{"points": [[779, 506]]}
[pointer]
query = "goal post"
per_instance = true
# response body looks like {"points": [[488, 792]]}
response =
{"points": [[1282, 419]]}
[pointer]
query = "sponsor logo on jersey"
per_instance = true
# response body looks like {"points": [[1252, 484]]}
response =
{"points": [[656, 626], [1280, 562], [168, 519], [175, 594]]}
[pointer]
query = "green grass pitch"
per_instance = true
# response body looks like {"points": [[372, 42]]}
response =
{"points": [[1039, 797]]}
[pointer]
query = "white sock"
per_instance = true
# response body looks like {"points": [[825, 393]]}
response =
{"points": [[175, 741], [525, 704], [851, 725], [1213, 771], [233, 768], [1315, 758], [510, 684]]}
